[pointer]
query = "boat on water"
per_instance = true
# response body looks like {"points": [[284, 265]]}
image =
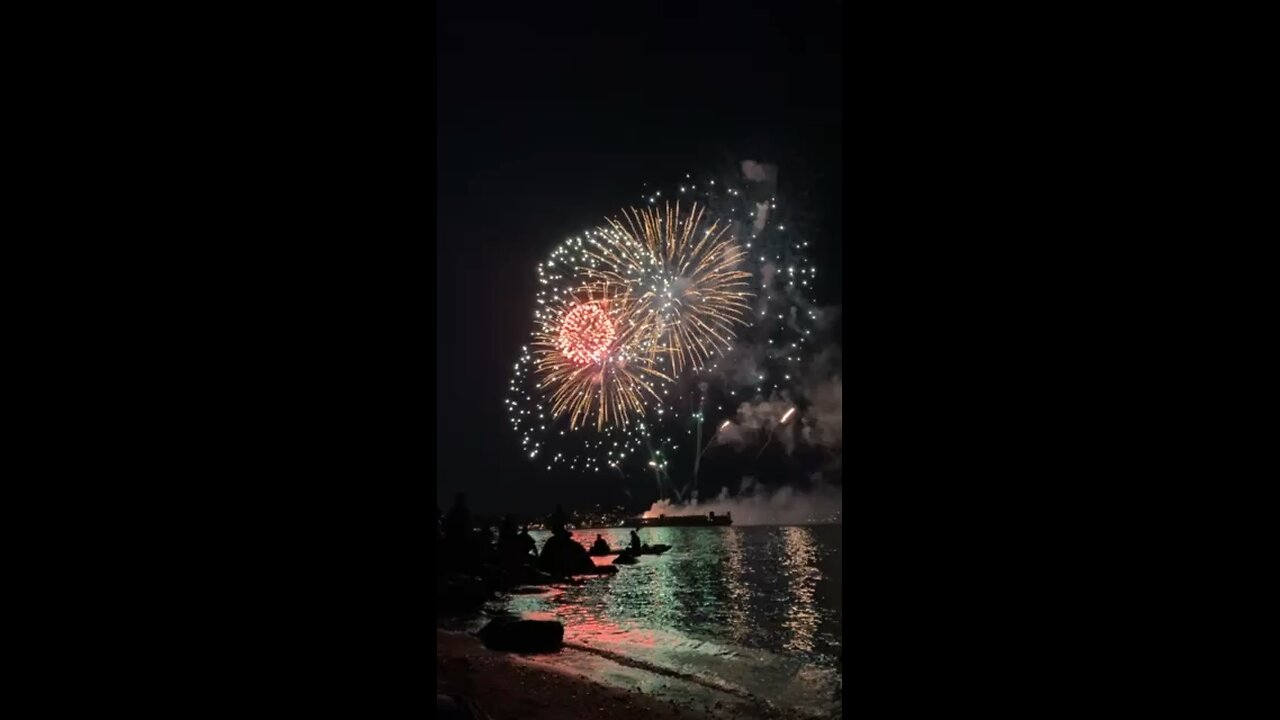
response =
{"points": [[644, 550], [708, 520]]}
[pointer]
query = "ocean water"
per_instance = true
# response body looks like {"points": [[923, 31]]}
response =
{"points": [[748, 613]]}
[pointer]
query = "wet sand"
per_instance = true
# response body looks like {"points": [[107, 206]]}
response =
{"points": [[509, 686]]}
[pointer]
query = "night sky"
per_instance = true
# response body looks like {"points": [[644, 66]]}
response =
{"points": [[547, 120]]}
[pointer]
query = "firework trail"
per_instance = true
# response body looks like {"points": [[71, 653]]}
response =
{"points": [[781, 422]]}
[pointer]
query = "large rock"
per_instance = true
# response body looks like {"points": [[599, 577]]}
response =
{"points": [[528, 574], [494, 577], [460, 593], [523, 635], [453, 708], [562, 555]]}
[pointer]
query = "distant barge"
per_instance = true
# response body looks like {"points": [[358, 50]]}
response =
{"points": [[708, 520]]}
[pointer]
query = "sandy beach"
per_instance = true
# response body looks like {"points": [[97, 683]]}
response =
{"points": [[509, 686]]}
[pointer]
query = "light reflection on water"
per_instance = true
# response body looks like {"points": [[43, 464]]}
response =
{"points": [[738, 593], [752, 609], [802, 573]]}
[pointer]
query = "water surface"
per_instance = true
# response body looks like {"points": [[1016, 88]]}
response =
{"points": [[754, 612]]}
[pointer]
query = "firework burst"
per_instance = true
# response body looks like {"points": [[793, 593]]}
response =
{"points": [[582, 357], [619, 375], [683, 274]]}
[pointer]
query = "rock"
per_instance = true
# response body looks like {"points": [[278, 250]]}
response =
{"points": [[447, 707], [523, 635], [495, 578], [526, 574], [457, 709], [561, 555], [533, 576], [460, 593]]}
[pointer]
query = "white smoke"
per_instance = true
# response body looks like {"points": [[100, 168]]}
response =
{"points": [[760, 420], [823, 423], [756, 505], [762, 216], [758, 172], [820, 422]]}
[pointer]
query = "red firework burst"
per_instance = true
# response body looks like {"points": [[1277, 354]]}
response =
{"points": [[586, 332]]}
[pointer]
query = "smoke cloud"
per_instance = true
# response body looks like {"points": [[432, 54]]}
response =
{"points": [[756, 421], [819, 417], [758, 172], [756, 505], [823, 424], [762, 216]]}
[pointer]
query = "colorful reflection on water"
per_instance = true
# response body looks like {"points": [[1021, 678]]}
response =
{"points": [[749, 609]]}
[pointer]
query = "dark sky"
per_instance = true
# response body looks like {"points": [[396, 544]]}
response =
{"points": [[547, 120]]}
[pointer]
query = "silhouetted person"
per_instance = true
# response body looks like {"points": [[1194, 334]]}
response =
{"points": [[457, 527], [527, 543], [480, 550], [600, 545], [510, 549], [635, 541], [507, 531], [558, 520]]}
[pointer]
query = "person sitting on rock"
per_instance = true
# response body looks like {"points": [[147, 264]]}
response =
{"points": [[558, 520], [527, 543], [510, 550], [635, 541], [600, 547]]}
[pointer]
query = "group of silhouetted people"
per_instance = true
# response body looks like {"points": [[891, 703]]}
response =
{"points": [[460, 545], [602, 547]]}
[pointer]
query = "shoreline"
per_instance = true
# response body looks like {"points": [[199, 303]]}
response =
{"points": [[823, 523], [726, 652], [510, 685]]}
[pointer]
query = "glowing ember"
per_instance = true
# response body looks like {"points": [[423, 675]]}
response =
{"points": [[787, 415], [585, 334]]}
